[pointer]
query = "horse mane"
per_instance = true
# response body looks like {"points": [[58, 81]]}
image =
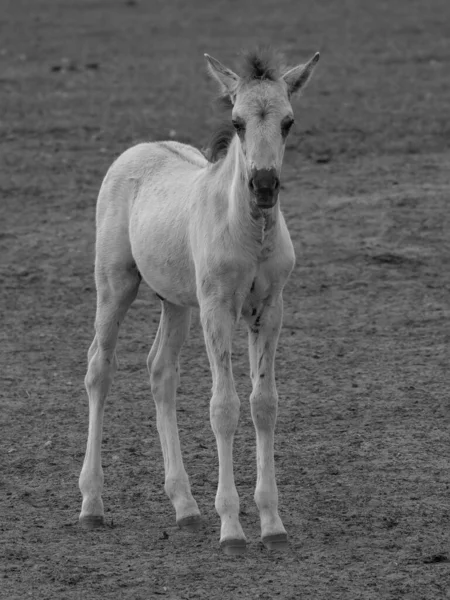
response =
{"points": [[260, 64], [219, 142]]}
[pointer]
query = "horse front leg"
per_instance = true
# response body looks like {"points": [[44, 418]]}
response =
{"points": [[163, 366], [218, 321], [264, 328]]}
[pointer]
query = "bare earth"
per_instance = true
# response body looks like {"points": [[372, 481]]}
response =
{"points": [[362, 448]]}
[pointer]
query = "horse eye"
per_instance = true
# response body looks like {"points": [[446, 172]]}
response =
{"points": [[286, 126], [239, 125]]}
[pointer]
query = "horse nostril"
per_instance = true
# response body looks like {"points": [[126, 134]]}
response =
{"points": [[264, 179]]}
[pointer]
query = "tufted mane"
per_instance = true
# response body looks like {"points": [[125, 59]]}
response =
{"points": [[261, 64]]}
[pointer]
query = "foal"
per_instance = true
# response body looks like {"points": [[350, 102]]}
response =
{"points": [[207, 233]]}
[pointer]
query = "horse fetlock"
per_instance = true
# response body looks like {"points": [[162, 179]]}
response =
{"points": [[271, 523], [179, 492], [266, 497], [227, 501], [177, 487], [267, 503]]}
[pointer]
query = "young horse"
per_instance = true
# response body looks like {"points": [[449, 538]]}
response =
{"points": [[208, 233]]}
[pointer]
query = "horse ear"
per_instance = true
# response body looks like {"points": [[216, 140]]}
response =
{"points": [[226, 78], [299, 76]]}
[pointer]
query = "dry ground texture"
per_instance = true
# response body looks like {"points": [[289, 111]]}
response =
{"points": [[362, 446]]}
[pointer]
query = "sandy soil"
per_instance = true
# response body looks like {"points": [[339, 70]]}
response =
{"points": [[362, 448]]}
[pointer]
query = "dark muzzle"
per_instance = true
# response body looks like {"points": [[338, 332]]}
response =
{"points": [[264, 184]]}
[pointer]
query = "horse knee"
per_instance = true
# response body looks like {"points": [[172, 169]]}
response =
{"points": [[264, 408], [224, 414]]}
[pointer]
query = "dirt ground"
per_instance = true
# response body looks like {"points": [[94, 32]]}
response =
{"points": [[362, 448]]}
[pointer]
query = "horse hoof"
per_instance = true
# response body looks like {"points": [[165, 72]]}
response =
{"points": [[277, 541], [92, 522], [191, 523], [233, 547]]}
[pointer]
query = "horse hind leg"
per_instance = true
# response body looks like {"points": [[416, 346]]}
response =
{"points": [[163, 368], [116, 290]]}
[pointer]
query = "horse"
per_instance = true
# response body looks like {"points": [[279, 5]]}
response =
{"points": [[204, 230]]}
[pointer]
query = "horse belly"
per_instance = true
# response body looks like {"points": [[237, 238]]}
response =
{"points": [[169, 281], [160, 249]]}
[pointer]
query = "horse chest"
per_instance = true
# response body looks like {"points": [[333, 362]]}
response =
{"points": [[268, 282], [275, 256], [268, 237]]}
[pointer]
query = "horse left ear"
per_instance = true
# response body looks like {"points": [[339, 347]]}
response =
{"points": [[226, 78], [299, 76]]}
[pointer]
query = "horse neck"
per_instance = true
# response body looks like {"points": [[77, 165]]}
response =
{"points": [[247, 222]]}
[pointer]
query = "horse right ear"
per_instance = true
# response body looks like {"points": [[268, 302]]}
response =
{"points": [[226, 78], [298, 77]]}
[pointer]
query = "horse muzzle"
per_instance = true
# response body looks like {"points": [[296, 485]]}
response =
{"points": [[265, 185]]}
